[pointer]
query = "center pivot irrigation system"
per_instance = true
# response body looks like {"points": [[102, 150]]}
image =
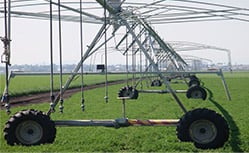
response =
{"points": [[204, 127]]}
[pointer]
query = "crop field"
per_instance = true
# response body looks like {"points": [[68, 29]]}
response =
{"points": [[21, 85], [147, 106]]}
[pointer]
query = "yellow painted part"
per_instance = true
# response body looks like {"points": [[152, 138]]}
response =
{"points": [[153, 122]]}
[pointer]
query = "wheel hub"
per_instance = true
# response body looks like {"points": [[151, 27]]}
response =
{"points": [[202, 131], [196, 94], [29, 132]]}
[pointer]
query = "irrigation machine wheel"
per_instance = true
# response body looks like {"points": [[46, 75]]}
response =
{"points": [[156, 83], [29, 127], [196, 92], [193, 77], [128, 92], [205, 128], [194, 82]]}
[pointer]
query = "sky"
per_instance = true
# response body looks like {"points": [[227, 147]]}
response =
{"points": [[30, 40]]}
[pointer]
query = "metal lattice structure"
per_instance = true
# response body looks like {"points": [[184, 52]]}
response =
{"points": [[156, 12], [183, 46], [136, 19]]}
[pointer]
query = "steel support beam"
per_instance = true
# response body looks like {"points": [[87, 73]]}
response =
{"points": [[156, 68], [121, 122]]}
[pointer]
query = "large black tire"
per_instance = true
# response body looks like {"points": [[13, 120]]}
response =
{"points": [[156, 83], [128, 92], [196, 92], [193, 77], [205, 128], [29, 127], [194, 82]]}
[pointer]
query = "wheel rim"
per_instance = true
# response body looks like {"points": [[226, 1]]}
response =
{"points": [[196, 94], [202, 131], [29, 132], [127, 93], [157, 83]]}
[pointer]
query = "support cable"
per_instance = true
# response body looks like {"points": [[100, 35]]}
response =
{"points": [[60, 56], [52, 105], [81, 55], [106, 77]]}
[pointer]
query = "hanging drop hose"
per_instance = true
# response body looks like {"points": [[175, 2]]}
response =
{"points": [[52, 105], [140, 70], [127, 60], [133, 63], [140, 60], [5, 57], [106, 77], [60, 56], [81, 55]]}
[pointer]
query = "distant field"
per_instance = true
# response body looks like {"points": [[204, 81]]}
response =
{"points": [[21, 85], [153, 106]]}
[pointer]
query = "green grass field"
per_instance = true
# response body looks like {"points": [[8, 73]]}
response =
{"points": [[21, 85], [148, 106]]}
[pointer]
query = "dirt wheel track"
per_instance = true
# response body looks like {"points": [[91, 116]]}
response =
{"points": [[45, 97]]}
